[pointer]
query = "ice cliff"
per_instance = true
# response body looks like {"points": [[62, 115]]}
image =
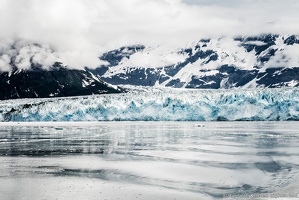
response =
{"points": [[160, 104]]}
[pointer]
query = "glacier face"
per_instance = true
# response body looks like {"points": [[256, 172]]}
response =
{"points": [[160, 104]]}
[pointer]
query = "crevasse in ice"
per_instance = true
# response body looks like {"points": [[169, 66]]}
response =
{"points": [[160, 104]]}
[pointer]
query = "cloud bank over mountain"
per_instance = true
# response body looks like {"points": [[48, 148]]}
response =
{"points": [[78, 31]]}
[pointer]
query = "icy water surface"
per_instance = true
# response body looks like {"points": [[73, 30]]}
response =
{"points": [[149, 160]]}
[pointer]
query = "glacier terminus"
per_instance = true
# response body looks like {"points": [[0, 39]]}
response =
{"points": [[161, 104]]}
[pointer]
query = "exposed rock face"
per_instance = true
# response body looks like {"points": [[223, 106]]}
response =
{"points": [[55, 82]]}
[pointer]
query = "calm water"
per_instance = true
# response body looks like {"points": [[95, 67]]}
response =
{"points": [[149, 160]]}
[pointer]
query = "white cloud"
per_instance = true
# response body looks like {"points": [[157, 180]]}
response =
{"points": [[5, 62], [153, 57], [22, 54], [80, 30], [287, 57]]}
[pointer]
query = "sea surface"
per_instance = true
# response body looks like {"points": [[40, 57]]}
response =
{"points": [[149, 160]]}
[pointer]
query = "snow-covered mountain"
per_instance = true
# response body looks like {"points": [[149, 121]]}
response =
{"points": [[31, 71], [243, 62]]}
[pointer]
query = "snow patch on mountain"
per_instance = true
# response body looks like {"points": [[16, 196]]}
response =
{"points": [[286, 56], [231, 53]]}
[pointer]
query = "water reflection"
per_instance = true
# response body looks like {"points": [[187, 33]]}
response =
{"points": [[212, 161]]}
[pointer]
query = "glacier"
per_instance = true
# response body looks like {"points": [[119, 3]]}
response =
{"points": [[160, 104]]}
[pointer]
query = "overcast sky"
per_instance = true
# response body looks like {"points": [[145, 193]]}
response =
{"points": [[80, 30]]}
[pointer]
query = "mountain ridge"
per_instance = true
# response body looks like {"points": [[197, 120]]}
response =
{"points": [[268, 60], [55, 82]]}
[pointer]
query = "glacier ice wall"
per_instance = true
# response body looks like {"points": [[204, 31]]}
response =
{"points": [[160, 104]]}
